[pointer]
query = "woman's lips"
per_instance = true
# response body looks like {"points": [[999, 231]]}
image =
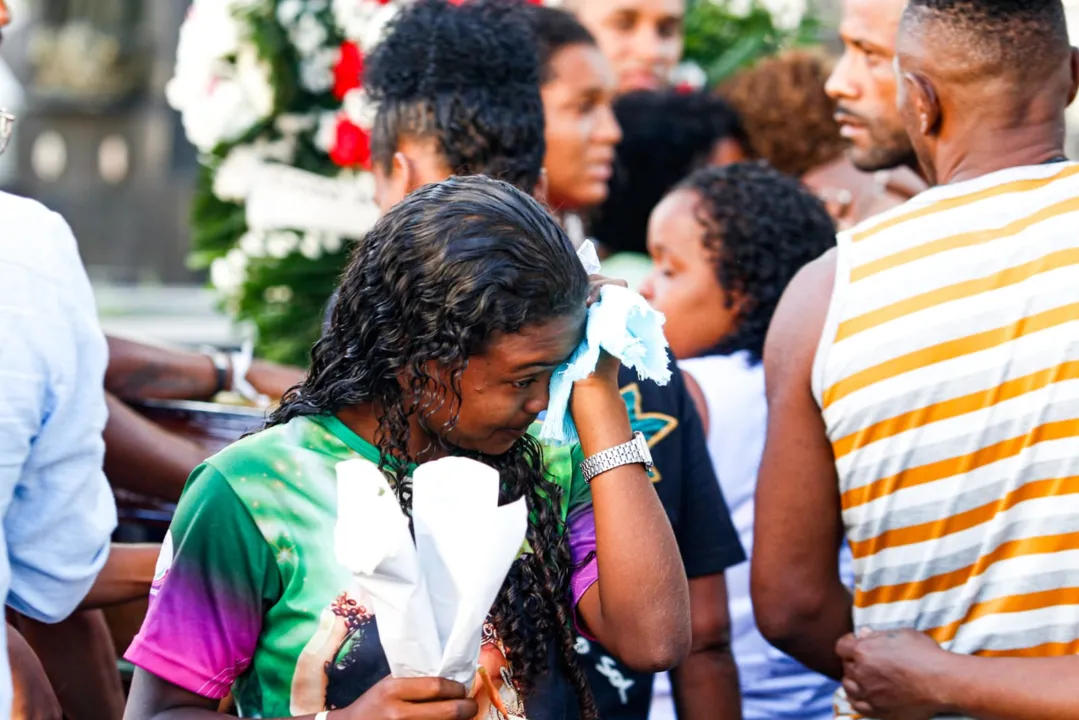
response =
{"points": [[600, 171], [639, 80]]}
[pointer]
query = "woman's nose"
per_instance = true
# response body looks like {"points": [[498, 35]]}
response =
{"points": [[540, 399]]}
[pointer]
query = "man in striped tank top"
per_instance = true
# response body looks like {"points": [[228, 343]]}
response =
{"points": [[923, 386]]}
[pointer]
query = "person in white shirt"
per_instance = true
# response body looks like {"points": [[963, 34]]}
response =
{"points": [[58, 509], [725, 244]]}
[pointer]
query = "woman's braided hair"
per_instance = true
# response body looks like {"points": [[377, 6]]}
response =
{"points": [[465, 77], [449, 268]]}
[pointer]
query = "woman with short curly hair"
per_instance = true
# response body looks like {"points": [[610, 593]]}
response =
{"points": [[726, 242]]}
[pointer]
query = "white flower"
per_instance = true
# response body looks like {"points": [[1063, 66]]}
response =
{"points": [[691, 74], [277, 294], [786, 14], [294, 124], [332, 243], [288, 11], [359, 109], [253, 244], [281, 244], [311, 246], [308, 34], [373, 30], [218, 99], [326, 134], [316, 70], [351, 16], [738, 8], [254, 75], [228, 273], [365, 184]]}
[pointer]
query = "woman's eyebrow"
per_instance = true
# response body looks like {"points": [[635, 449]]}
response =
{"points": [[537, 365]]}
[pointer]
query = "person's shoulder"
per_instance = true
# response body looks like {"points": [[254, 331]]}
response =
{"points": [[799, 321], [274, 452], [19, 209], [36, 240]]}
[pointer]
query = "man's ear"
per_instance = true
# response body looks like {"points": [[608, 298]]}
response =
{"points": [[540, 192], [924, 100]]}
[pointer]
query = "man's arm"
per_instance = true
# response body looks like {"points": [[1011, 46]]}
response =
{"points": [[138, 371], [905, 674], [800, 603], [144, 458], [32, 694], [706, 684], [126, 577], [61, 513]]}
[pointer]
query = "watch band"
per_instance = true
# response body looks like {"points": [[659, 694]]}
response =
{"points": [[629, 453], [241, 364], [222, 365]]}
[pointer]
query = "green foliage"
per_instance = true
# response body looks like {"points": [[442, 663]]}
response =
{"points": [[722, 41]]}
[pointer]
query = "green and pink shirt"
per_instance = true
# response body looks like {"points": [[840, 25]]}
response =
{"points": [[248, 597]]}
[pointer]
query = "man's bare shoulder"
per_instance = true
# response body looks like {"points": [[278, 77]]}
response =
{"points": [[799, 320]]}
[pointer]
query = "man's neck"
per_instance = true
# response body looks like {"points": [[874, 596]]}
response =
{"points": [[984, 151]]}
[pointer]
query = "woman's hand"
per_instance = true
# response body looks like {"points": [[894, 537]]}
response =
{"points": [[606, 371], [411, 699]]}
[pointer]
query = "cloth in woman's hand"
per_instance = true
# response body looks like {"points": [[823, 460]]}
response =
{"points": [[623, 324]]}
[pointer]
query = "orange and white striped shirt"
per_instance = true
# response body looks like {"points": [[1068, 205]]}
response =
{"points": [[948, 377]]}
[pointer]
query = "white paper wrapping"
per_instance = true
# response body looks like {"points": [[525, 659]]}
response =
{"points": [[432, 597]]}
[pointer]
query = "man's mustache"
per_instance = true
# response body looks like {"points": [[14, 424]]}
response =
{"points": [[845, 114]]}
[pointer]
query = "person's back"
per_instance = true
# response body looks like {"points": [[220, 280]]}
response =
{"points": [[948, 385], [58, 508]]}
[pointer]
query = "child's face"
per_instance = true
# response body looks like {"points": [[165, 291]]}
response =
{"points": [[683, 284]]}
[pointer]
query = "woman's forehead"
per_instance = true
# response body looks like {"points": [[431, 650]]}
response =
{"points": [[537, 347]]}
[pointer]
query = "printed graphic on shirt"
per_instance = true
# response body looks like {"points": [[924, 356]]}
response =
{"points": [[345, 655], [653, 425]]}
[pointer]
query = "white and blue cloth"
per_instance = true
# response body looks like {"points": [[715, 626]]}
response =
{"points": [[626, 326]]}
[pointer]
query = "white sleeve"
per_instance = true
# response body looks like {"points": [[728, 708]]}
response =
{"points": [[61, 514]]}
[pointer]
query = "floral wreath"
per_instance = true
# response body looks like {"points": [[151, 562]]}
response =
{"points": [[270, 93]]}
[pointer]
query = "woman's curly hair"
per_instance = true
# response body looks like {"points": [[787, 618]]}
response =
{"points": [[760, 227], [466, 76], [789, 119], [446, 270]]}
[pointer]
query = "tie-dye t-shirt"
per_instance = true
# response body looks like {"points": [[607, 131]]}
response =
{"points": [[248, 597]]}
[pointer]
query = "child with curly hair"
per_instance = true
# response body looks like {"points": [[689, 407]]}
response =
{"points": [[726, 242]]}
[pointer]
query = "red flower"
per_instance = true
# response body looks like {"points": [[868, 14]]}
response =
{"points": [[348, 73], [352, 145]]}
